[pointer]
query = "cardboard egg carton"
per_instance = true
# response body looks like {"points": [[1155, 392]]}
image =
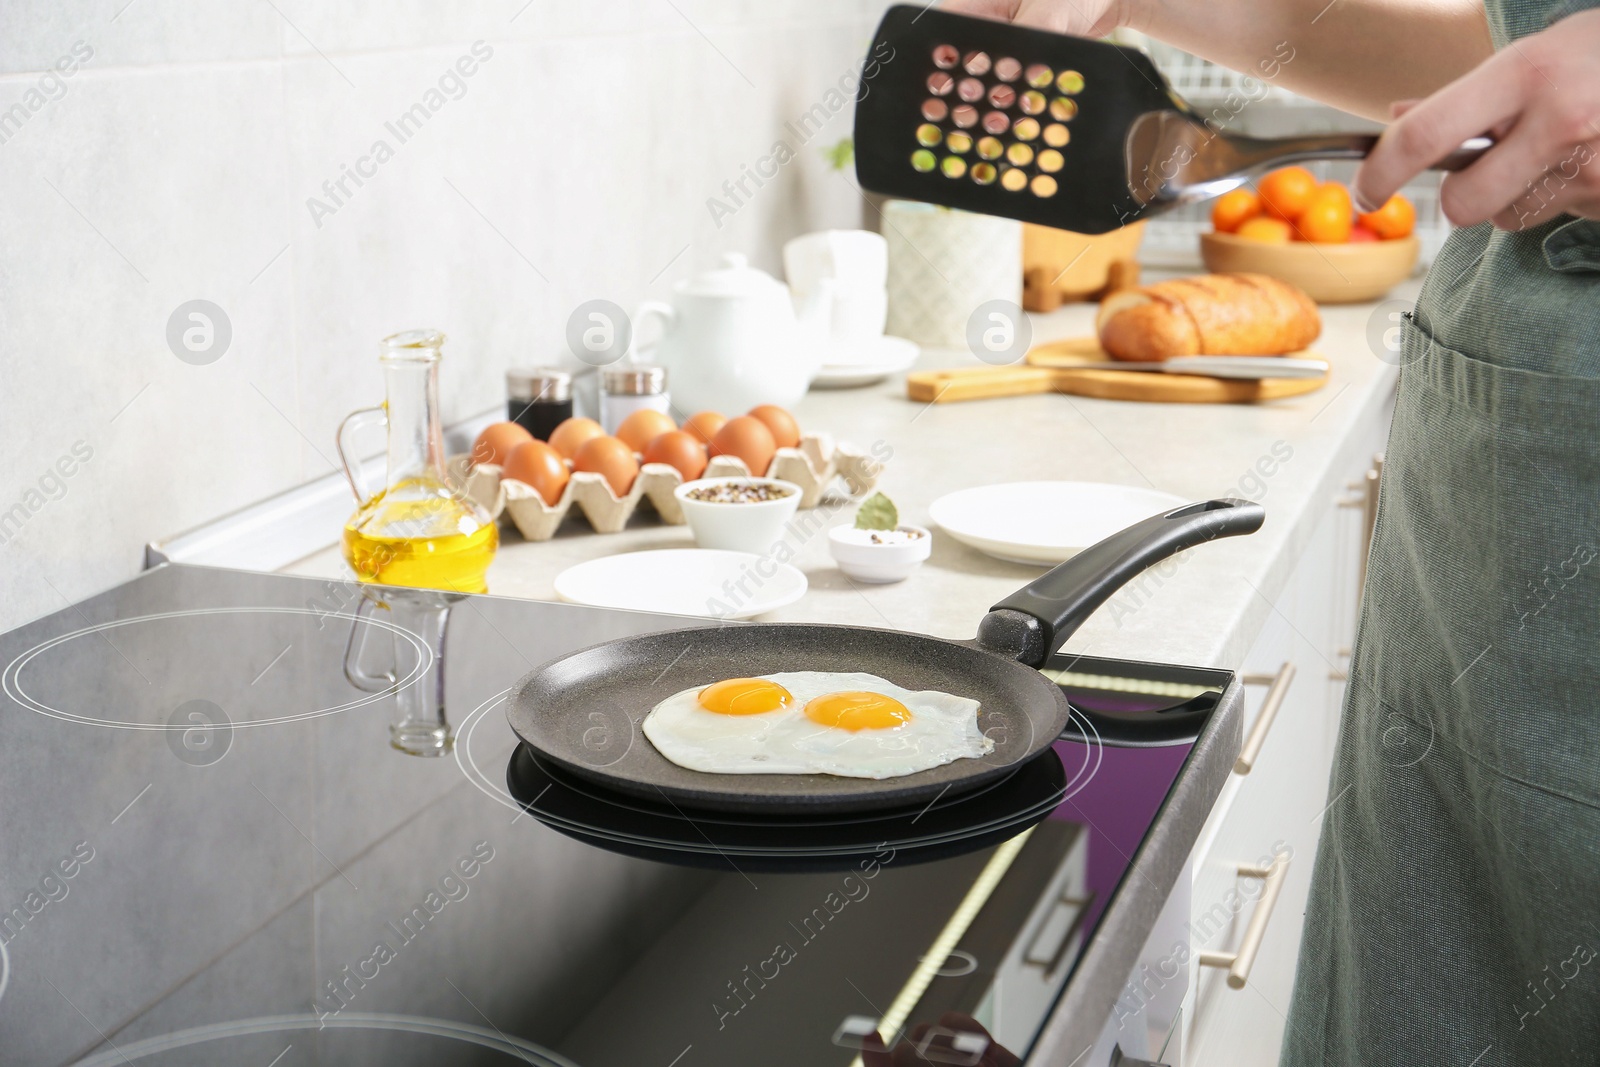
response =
{"points": [[812, 466]]}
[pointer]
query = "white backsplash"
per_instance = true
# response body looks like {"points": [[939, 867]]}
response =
{"points": [[177, 161]]}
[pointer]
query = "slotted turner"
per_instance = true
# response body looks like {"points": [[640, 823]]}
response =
{"points": [[1062, 131]]}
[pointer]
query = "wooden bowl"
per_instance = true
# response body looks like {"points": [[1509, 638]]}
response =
{"points": [[1330, 274]]}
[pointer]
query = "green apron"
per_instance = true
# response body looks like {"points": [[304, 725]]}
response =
{"points": [[1455, 908]]}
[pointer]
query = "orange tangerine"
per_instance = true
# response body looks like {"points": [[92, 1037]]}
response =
{"points": [[1233, 208], [1264, 229], [1327, 218], [1286, 192], [1395, 219]]}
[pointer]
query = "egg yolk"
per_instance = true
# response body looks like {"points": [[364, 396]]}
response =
{"points": [[744, 696], [857, 711]]}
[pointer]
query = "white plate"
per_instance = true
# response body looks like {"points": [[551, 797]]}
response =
{"points": [[682, 581], [1044, 522], [872, 362]]}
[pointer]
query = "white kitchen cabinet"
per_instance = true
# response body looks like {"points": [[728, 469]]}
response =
{"points": [[1272, 817], [1273, 814]]}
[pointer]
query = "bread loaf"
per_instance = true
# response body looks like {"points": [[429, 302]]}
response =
{"points": [[1207, 315]]}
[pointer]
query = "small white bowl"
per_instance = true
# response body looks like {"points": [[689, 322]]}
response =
{"points": [[856, 554], [738, 527]]}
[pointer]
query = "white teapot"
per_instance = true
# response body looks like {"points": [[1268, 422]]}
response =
{"points": [[731, 339]]}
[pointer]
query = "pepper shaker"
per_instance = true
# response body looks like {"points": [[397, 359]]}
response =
{"points": [[540, 399]]}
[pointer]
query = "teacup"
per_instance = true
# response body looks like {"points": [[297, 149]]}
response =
{"points": [[857, 261]]}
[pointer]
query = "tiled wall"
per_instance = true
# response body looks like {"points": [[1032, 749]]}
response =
{"points": [[154, 152]]}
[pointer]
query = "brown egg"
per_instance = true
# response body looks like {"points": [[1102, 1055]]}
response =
{"points": [[678, 449], [704, 425], [568, 437], [748, 438], [611, 458], [537, 464], [644, 426], [784, 429], [497, 441]]}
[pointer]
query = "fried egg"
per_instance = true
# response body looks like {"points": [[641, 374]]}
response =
{"points": [[815, 722]]}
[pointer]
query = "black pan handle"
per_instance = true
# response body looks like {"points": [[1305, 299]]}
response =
{"points": [[1030, 624]]}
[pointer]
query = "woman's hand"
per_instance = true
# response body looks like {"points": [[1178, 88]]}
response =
{"points": [[1540, 99], [1085, 18]]}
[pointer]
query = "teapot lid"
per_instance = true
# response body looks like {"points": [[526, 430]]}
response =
{"points": [[733, 277]]}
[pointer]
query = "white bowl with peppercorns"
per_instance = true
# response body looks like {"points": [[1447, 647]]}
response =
{"points": [[739, 514]]}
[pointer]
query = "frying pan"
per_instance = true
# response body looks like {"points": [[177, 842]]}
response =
{"points": [[582, 711]]}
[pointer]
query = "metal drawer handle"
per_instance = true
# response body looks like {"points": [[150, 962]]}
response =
{"points": [[1055, 933], [1239, 963], [1278, 688], [1366, 499]]}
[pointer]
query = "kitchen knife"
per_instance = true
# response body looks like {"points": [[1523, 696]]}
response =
{"points": [[1249, 367]]}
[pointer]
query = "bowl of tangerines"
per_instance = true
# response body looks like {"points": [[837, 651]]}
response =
{"points": [[1308, 233]]}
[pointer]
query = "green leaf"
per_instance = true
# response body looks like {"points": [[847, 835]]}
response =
{"points": [[877, 513], [840, 154]]}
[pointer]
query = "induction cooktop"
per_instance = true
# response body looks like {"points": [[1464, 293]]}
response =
{"points": [[215, 852]]}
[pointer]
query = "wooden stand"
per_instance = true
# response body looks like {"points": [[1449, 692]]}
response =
{"points": [[1059, 266]]}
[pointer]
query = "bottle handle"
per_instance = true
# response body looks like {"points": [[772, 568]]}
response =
{"points": [[354, 422], [420, 725], [357, 675]]}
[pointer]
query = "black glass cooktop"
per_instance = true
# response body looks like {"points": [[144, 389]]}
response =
{"points": [[215, 852]]}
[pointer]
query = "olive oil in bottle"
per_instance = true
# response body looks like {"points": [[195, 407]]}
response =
{"points": [[428, 541], [419, 530]]}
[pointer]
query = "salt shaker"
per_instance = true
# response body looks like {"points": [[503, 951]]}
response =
{"points": [[631, 387]]}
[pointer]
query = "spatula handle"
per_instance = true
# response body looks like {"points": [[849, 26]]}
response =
{"points": [[1359, 146]]}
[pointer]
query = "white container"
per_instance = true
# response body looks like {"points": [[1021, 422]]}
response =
{"points": [[944, 264], [892, 561], [857, 263], [740, 527]]}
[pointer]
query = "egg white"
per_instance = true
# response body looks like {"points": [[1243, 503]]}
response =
{"points": [[943, 728]]}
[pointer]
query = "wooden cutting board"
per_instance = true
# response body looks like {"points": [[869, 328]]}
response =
{"points": [[1048, 369]]}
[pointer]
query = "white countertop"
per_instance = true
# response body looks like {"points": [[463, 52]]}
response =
{"points": [[1206, 614]]}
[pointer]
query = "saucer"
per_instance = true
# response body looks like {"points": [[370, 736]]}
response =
{"points": [[865, 363]]}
